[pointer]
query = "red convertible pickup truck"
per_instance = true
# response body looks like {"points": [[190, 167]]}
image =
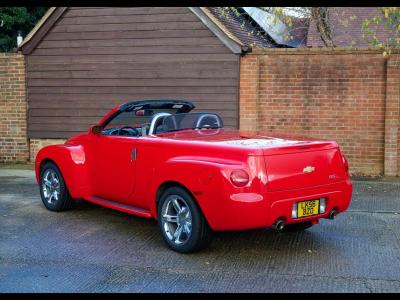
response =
{"points": [[156, 159]]}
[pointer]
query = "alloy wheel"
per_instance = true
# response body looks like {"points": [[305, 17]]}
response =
{"points": [[176, 219], [51, 186]]}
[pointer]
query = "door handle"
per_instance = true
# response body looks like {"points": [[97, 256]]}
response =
{"points": [[133, 154]]}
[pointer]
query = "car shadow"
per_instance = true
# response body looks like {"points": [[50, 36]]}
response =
{"points": [[262, 240]]}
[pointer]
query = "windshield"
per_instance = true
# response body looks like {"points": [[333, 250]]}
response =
{"points": [[136, 118], [192, 121]]}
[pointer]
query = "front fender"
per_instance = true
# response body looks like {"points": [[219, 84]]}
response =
{"points": [[71, 160]]}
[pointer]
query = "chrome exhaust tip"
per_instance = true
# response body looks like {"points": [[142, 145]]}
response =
{"points": [[279, 224]]}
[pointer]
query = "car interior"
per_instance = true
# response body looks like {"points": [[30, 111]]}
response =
{"points": [[150, 122]]}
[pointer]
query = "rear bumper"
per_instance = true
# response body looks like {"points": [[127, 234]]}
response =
{"points": [[251, 210]]}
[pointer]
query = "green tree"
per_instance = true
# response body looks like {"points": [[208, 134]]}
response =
{"points": [[14, 20], [387, 17], [390, 18]]}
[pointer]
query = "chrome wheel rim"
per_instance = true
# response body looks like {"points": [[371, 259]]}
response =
{"points": [[176, 219], [51, 186]]}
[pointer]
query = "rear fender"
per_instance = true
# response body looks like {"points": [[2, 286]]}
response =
{"points": [[71, 160], [205, 179]]}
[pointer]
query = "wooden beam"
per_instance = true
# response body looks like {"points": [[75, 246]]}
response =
{"points": [[42, 30], [228, 41]]}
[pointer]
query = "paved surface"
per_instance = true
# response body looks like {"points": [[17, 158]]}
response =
{"points": [[94, 249]]}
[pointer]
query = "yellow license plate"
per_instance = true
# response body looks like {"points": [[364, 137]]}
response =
{"points": [[307, 208]]}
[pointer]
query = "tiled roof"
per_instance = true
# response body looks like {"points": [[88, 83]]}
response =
{"points": [[299, 30], [347, 30], [248, 34]]}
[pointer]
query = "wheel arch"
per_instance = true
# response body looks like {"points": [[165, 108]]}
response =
{"points": [[172, 183], [204, 179], [46, 160], [49, 160], [70, 161]]}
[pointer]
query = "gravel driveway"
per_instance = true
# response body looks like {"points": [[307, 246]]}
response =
{"points": [[94, 249]]}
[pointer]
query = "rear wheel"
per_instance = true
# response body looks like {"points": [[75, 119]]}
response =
{"points": [[53, 190], [297, 226], [182, 224]]}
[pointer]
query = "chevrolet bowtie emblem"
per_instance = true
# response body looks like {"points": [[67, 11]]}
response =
{"points": [[308, 169]]}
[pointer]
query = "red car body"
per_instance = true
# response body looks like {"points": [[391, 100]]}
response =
{"points": [[281, 171]]}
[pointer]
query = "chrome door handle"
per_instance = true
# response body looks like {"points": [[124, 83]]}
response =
{"points": [[133, 154]]}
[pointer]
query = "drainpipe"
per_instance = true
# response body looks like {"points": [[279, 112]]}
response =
{"points": [[19, 38]]}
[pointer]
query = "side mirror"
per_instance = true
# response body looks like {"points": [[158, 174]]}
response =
{"points": [[96, 129]]}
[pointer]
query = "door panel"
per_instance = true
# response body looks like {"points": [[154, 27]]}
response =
{"points": [[114, 167]]}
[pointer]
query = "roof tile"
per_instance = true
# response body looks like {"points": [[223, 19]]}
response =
{"points": [[241, 28]]}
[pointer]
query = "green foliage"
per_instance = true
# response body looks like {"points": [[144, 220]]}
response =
{"points": [[390, 18], [386, 19], [14, 19]]}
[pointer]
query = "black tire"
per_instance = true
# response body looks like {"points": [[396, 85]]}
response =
{"points": [[64, 201], [201, 234], [297, 226]]}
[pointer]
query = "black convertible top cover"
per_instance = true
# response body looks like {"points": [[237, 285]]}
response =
{"points": [[182, 106]]}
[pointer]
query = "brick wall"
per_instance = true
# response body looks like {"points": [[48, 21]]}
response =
{"points": [[13, 137], [348, 96], [37, 144], [352, 97], [392, 147]]}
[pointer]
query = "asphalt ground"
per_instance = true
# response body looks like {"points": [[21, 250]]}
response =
{"points": [[95, 249]]}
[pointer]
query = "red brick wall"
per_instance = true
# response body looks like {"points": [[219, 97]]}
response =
{"points": [[36, 144], [249, 92], [392, 147], [13, 138], [330, 94], [352, 97]]}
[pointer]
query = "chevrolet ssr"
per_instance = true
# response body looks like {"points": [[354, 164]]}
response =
{"points": [[157, 159]]}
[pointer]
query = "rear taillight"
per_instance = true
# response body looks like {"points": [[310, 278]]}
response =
{"points": [[345, 163], [239, 177]]}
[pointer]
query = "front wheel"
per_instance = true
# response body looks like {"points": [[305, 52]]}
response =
{"points": [[182, 224], [53, 190]]}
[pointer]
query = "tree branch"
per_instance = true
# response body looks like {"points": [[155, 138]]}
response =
{"points": [[321, 19]]}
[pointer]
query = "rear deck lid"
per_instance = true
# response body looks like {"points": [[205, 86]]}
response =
{"points": [[303, 166]]}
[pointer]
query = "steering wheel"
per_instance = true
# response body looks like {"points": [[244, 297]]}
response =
{"points": [[129, 132]]}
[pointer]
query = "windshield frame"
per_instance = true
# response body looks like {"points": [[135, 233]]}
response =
{"points": [[182, 106]]}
